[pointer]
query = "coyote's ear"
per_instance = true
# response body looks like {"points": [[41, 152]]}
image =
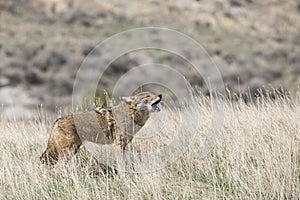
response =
{"points": [[127, 100]]}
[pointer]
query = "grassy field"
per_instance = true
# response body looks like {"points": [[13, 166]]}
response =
{"points": [[257, 156]]}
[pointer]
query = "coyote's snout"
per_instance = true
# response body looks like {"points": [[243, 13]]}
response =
{"points": [[115, 125]]}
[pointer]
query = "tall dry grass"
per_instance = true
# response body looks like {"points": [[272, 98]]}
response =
{"points": [[257, 156]]}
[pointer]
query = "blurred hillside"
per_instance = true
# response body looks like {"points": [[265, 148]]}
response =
{"points": [[42, 43]]}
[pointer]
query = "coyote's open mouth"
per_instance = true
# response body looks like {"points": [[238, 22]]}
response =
{"points": [[155, 104]]}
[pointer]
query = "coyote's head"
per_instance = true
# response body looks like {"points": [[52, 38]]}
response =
{"points": [[144, 101]]}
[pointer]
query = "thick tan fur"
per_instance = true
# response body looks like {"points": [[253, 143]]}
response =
{"points": [[116, 125]]}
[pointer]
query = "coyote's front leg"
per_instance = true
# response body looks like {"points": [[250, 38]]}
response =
{"points": [[120, 145]]}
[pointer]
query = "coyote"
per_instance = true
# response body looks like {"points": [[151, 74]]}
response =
{"points": [[114, 125]]}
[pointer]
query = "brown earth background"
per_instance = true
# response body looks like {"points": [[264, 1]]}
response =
{"points": [[43, 43]]}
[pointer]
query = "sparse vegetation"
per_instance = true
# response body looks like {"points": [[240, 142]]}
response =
{"points": [[43, 43], [256, 157]]}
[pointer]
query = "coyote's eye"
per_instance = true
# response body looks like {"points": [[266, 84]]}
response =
{"points": [[146, 101]]}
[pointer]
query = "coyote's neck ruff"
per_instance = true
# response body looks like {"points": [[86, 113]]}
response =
{"points": [[116, 125]]}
